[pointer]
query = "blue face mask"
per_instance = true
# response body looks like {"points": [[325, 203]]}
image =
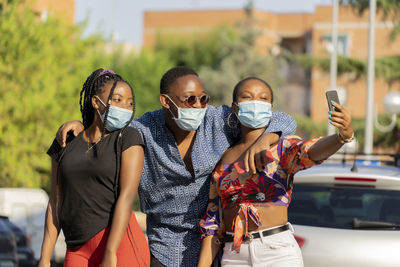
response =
{"points": [[254, 114], [117, 117], [189, 119]]}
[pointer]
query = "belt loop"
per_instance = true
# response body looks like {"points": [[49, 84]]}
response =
{"points": [[290, 227], [250, 236], [262, 237]]}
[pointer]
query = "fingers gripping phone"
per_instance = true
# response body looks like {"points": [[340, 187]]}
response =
{"points": [[331, 95]]}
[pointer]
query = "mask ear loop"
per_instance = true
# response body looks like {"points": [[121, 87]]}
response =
{"points": [[236, 120], [175, 106]]}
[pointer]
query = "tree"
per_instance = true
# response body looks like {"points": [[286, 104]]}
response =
{"points": [[143, 71], [43, 65], [196, 51], [387, 68], [240, 59], [389, 8]]}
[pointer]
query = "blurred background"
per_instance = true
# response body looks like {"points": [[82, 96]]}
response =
{"points": [[301, 48], [49, 47]]}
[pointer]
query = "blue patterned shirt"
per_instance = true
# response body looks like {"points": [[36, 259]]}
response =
{"points": [[172, 198]]}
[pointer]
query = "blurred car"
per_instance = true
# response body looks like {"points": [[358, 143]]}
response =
{"points": [[26, 208], [347, 215], [8, 246], [25, 254]]}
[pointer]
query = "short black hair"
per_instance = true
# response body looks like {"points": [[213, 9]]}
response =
{"points": [[242, 82], [172, 75]]}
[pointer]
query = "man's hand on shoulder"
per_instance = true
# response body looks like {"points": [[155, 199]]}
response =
{"points": [[256, 157], [75, 127]]}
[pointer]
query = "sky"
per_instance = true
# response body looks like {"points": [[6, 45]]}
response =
{"points": [[124, 18]]}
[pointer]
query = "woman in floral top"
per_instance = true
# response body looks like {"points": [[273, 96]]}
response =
{"points": [[253, 206]]}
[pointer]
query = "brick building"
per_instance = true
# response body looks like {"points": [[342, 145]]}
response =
{"points": [[303, 91], [64, 10]]}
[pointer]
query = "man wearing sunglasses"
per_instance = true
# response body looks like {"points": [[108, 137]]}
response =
{"points": [[184, 141]]}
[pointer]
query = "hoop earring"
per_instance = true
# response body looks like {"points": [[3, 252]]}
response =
{"points": [[236, 121]]}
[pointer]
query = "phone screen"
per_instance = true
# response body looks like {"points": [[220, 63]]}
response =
{"points": [[332, 95]]}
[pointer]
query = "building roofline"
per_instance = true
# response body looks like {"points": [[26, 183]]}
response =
{"points": [[232, 9]]}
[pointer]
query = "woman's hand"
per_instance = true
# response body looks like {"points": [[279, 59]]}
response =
{"points": [[341, 119], [72, 126], [109, 259]]}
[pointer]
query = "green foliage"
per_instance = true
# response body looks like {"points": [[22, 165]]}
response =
{"points": [[223, 57], [195, 51], [384, 140], [387, 68], [307, 128], [143, 71], [42, 67], [389, 8], [240, 60]]}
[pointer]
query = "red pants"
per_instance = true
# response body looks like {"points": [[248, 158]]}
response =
{"points": [[133, 249]]}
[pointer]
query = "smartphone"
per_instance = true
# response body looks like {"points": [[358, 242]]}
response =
{"points": [[331, 95]]}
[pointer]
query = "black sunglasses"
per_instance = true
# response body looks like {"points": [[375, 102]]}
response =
{"points": [[191, 100]]}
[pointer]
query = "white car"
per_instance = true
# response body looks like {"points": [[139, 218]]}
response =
{"points": [[347, 218], [26, 207]]}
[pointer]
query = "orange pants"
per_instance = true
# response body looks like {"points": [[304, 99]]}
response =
{"points": [[133, 249]]}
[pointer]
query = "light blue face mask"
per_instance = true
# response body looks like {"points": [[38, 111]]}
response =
{"points": [[254, 114], [117, 117], [189, 119]]}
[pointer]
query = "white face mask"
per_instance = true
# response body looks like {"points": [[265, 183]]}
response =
{"points": [[189, 119], [254, 114], [117, 117]]}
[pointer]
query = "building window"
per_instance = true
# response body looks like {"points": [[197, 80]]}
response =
{"points": [[343, 44]]}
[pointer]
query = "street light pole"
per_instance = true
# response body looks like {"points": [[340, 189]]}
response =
{"points": [[369, 130], [333, 65]]}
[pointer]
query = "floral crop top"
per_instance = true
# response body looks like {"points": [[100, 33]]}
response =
{"points": [[273, 186]]}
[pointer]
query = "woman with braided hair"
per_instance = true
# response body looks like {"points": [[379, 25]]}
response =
{"points": [[95, 180]]}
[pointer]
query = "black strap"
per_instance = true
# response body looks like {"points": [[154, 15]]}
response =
{"points": [[251, 236]]}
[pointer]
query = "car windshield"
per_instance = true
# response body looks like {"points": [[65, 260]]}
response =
{"points": [[338, 207]]}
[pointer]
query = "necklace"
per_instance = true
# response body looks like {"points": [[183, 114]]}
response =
{"points": [[90, 144]]}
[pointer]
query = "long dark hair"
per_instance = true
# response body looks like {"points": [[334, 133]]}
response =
{"points": [[94, 85]]}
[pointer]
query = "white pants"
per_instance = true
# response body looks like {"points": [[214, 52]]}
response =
{"points": [[278, 250]]}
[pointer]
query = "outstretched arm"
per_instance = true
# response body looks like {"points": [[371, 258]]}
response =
{"points": [[51, 228], [328, 145], [131, 170]]}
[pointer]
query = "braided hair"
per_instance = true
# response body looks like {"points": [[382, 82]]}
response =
{"points": [[95, 85]]}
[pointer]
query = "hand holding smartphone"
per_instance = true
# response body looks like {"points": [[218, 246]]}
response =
{"points": [[331, 95]]}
